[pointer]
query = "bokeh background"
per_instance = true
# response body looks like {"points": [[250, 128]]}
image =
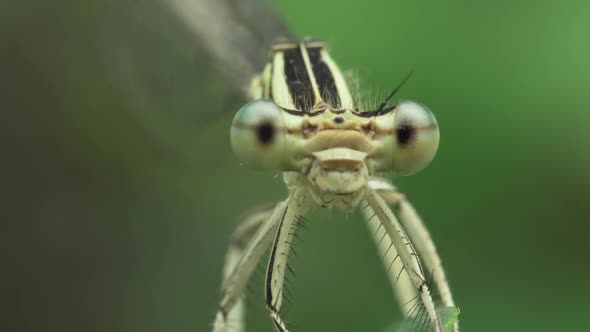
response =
{"points": [[120, 191]]}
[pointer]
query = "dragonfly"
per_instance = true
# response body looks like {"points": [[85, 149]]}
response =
{"points": [[300, 118]]}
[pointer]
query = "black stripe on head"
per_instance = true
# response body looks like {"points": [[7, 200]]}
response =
{"points": [[298, 80], [324, 77]]}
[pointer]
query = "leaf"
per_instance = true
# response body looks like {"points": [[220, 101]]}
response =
{"points": [[449, 316]]}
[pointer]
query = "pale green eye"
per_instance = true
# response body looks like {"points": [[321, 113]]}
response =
{"points": [[258, 134], [415, 137]]}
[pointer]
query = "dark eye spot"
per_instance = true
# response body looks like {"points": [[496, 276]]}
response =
{"points": [[265, 132], [338, 119], [405, 133]]}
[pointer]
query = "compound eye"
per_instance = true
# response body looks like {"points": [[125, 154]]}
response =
{"points": [[416, 137], [258, 134]]}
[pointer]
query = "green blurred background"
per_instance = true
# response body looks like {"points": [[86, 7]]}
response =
{"points": [[117, 211]]}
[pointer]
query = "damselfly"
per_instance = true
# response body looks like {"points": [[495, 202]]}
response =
{"points": [[303, 121]]}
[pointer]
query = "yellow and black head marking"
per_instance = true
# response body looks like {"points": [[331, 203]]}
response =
{"points": [[302, 75]]}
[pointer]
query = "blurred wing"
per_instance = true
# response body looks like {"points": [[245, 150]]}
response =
{"points": [[237, 33], [182, 67]]}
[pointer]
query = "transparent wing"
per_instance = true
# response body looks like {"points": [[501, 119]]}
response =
{"points": [[182, 66], [236, 32]]}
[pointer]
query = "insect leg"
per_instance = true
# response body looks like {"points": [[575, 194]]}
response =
{"points": [[420, 236], [407, 254], [250, 239], [405, 292], [296, 206]]}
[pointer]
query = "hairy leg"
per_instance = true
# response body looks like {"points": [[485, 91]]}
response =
{"points": [[250, 239], [420, 236], [428, 317], [296, 205]]}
